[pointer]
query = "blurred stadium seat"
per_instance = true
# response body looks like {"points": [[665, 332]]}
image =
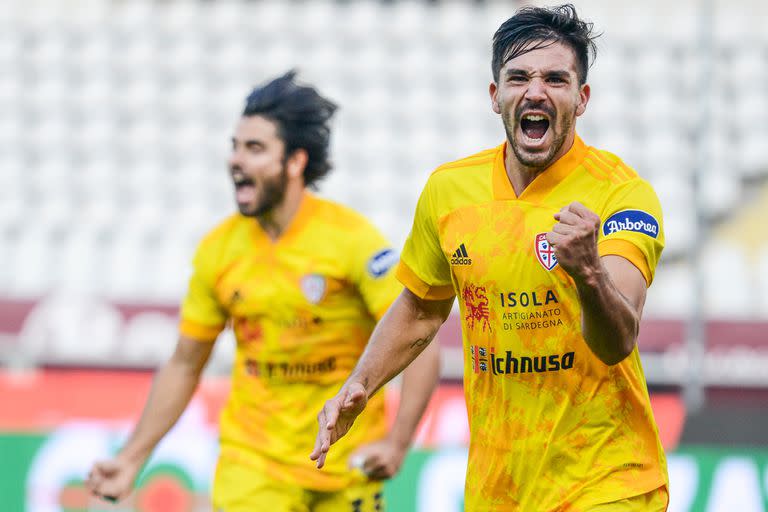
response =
{"points": [[114, 134], [117, 117]]}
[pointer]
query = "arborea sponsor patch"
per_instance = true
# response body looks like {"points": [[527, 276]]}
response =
{"points": [[632, 220], [382, 261]]}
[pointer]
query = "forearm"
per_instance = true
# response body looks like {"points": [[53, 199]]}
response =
{"points": [[401, 335], [172, 389], [609, 321], [419, 381]]}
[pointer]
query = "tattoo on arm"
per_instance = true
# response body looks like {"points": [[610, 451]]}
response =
{"points": [[422, 341]]}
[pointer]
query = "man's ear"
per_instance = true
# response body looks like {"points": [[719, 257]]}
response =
{"points": [[493, 90], [296, 163], [584, 94]]}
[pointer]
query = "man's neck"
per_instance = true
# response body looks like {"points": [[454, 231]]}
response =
{"points": [[520, 175], [276, 221]]}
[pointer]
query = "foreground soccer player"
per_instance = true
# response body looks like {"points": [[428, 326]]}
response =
{"points": [[302, 281], [549, 245]]}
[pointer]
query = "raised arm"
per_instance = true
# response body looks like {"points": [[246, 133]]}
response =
{"points": [[173, 387], [407, 328], [611, 289]]}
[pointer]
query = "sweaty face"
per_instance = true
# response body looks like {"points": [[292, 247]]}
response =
{"points": [[539, 97], [257, 166]]}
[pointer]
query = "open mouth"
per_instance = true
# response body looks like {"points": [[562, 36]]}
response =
{"points": [[534, 126], [245, 189]]}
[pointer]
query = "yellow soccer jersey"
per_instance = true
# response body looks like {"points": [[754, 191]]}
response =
{"points": [[552, 427], [302, 309]]}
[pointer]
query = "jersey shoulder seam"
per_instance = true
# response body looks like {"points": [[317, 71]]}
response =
{"points": [[481, 158]]}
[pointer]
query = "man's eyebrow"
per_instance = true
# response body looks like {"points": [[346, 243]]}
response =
{"points": [[249, 143], [516, 71], [560, 73]]}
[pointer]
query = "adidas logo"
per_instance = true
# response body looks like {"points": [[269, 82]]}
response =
{"points": [[460, 257]]}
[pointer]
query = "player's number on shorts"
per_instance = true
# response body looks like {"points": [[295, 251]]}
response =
{"points": [[357, 505]]}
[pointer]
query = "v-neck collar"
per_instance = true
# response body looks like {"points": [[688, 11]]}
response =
{"points": [[544, 182], [297, 224]]}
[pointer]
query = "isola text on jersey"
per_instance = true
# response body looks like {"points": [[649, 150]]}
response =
{"points": [[525, 299]]}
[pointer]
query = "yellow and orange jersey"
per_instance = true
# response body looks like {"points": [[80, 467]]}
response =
{"points": [[552, 427], [302, 309]]}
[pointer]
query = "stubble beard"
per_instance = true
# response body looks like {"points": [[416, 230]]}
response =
{"points": [[538, 161], [271, 195]]}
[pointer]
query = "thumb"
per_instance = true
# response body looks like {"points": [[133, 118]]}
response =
{"points": [[101, 470], [105, 467], [356, 395], [357, 459]]}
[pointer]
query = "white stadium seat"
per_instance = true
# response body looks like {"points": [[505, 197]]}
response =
{"points": [[116, 120]]}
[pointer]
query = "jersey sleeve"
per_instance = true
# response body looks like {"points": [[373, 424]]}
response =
{"points": [[374, 260], [423, 268], [202, 317], [632, 227]]}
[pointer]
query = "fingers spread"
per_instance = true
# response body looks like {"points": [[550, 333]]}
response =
{"points": [[316, 451], [330, 414], [322, 441]]}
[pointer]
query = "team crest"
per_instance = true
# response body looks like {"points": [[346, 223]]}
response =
{"points": [[313, 286], [544, 252]]}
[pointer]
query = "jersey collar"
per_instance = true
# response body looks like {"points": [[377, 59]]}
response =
{"points": [[544, 182], [298, 223]]}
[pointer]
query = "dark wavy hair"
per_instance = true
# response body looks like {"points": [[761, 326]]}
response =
{"points": [[302, 116], [532, 28]]}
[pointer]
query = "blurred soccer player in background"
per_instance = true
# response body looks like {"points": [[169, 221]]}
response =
{"points": [[302, 281], [550, 245]]}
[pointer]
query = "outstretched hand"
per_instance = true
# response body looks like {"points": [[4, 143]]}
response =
{"points": [[336, 418]]}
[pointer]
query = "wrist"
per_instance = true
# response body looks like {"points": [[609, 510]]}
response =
{"points": [[399, 440], [363, 382], [590, 276], [133, 456]]}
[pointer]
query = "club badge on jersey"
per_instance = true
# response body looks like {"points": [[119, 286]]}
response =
{"points": [[313, 287], [544, 252]]}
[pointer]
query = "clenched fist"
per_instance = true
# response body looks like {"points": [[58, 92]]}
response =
{"points": [[112, 479], [379, 460], [574, 240]]}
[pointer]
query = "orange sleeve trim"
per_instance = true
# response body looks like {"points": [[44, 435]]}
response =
{"points": [[628, 251], [199, 332], [419, 288]]}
